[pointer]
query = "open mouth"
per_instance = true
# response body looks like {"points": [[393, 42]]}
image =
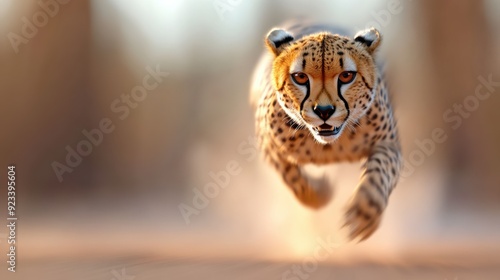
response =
{"points": [[328, 130]]}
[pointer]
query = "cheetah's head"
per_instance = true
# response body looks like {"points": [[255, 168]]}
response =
{"points": [[324, 81]]}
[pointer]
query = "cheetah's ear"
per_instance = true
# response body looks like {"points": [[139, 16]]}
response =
{"points": [[370, 38], [277, 40]]}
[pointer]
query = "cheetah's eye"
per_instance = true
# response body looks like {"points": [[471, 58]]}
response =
{"points": [[347, 77], [300, 78]]}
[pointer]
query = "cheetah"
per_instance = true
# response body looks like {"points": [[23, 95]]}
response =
{"points": [[319, 98]]}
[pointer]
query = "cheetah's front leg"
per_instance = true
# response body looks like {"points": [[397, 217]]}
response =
{"points": [[365, 210], [314, 194]]}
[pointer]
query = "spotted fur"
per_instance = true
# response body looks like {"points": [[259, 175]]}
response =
{"points": [[288, 127]]}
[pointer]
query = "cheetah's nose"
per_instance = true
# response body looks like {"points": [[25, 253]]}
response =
{"points": [[324, 111]]}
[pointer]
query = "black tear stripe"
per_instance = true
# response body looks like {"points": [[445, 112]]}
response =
{"points": [[339, 85], [285, 40], [341, 61], [307, 96]]}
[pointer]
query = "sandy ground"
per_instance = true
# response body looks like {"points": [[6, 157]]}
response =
{"points": [[187, 269]]}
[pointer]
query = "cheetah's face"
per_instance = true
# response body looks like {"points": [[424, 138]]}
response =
{"points": [[323, 81]]}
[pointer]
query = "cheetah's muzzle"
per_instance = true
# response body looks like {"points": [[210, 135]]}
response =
{"points": [[326, 130]]}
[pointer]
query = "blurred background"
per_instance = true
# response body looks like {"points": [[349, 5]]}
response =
{"points": [[68, 65]]}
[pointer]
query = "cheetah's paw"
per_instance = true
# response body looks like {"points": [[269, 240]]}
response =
{"points": [[363, 215]]}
